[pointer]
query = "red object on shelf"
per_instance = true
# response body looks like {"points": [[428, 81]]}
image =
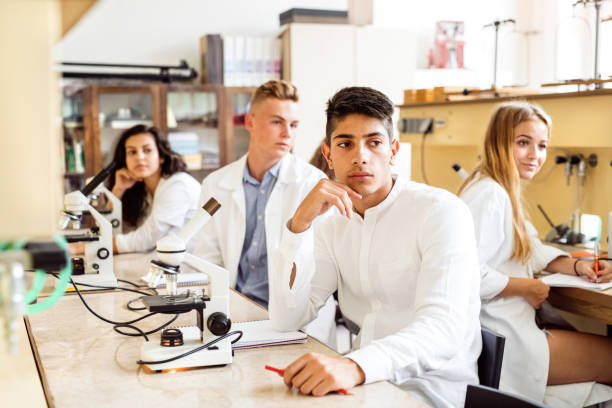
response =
{"points": [[449, 44]]}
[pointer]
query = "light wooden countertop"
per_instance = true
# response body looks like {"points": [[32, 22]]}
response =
{"points": [[595, 304], [83, 362]]}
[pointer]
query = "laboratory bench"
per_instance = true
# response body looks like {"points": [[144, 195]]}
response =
{"points": [[83, 362]]}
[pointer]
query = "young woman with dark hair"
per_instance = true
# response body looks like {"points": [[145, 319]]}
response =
{"points": [[158, 196]]}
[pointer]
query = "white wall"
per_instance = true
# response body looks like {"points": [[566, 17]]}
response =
{"points": [[163, 31], [421, 18]]}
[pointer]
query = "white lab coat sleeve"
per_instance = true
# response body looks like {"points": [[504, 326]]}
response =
{"points": [[315, 280], [169, 209], [542, 254], [488, 211], [445, 316], [207, 240]]}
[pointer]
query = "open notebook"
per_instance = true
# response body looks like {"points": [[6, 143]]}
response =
{"points": [[183, 279], [257, 333], [569, 281]]}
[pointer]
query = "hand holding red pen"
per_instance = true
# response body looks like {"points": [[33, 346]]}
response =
{"points": [[281, 372], [318, 374], [603, 271]]}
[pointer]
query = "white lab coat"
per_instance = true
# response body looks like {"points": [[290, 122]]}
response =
{"points": [[407, 274], [174, 203], [526, 355], [221, 239]]}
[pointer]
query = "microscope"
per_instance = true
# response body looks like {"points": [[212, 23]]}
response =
{"points": [[97, 266], [99, 199], [211, 324]]}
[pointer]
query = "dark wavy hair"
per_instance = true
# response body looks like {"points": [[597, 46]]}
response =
{"points": [[134, 199]]}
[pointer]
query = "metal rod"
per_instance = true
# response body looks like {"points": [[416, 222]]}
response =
{"points": [[494, 86], [545, 216], [145, 77], [596, 67], [182, 65], [496, 24]]}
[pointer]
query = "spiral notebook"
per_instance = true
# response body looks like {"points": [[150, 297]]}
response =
{"points": [[256, 333], [569, 281], [260, 333], [183, 279]]}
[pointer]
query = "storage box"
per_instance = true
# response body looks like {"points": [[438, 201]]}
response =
{"points": [[302, 15]]}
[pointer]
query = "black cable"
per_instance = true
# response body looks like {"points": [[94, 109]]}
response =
{"points": [[122, 324], [138, 286], [423, 158], [195, 350], [142, 333], [115, 287], [78, 292], [132, 308]]}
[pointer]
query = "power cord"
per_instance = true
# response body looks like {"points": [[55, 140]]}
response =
{"points": [[115, 324], [195, 350], [141, 333]]}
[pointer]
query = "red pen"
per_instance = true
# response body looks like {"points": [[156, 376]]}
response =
{"points": [[596, 253], [282, 372]]}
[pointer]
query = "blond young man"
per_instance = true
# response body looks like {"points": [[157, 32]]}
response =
{"points": [[257, 193]]}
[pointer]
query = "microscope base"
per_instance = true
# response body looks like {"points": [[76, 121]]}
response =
{"points": [[94, 279], [220, 354]]}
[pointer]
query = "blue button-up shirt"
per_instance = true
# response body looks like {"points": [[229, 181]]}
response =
{"points": [[252, 279]]}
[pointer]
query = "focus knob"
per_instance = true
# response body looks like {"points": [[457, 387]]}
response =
{"points": [[218, 324]]}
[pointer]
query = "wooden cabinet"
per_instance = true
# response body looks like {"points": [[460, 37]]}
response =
{"points": [[205, 123]]}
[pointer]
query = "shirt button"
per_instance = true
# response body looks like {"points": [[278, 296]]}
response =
{"points": [[259, 217], [262, 191], [252, 266], [254, 243]]}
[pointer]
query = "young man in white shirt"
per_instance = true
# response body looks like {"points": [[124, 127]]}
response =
{"points": [[402, 256], [257, 193]]}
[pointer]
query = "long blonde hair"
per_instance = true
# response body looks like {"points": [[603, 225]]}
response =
{"points": [[498, 163]]}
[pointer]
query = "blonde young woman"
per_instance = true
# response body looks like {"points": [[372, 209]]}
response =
{"points": [[509, 252]]}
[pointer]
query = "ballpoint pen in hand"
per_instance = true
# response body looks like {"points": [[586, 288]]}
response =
{"points": [[281, 372], [596, 260]]}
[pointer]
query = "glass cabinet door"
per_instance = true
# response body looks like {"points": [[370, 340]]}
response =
{"points": [[74, 140], [192, 120], [118, 112], [240, 107]]}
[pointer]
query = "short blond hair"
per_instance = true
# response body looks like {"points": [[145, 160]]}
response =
{"points": [[276, 88]]}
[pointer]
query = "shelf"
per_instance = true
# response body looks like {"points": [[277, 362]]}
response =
{"points": [[191, 127]]}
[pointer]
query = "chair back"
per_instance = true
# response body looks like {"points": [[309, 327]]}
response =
{"points": [[479, 396], [491, 357]]}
